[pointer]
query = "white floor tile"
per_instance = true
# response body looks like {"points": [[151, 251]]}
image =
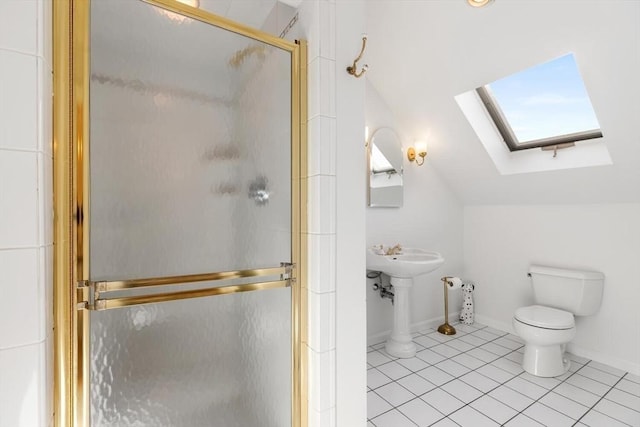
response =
{"points": [[495, 349], [394, 370], [445, 422], [515, 338], [564, 405], [460, 345], [420, 412], [435, 375], [414, 364], [588, 384], [493, 331], [625, 399], [479, 381], [508, 365], [576, 394], [506, 342], [426, 341], [495, 410], [452, 368], [376, 378], [461, 391], [430, 357], [468, 361], [376, 405], [445, 350], [577, 359], [511, 398], [495, 374], [619, 412], [482, 368], [442, 401], [530, 390], [469, 417], [485, 335], [632, 378], [395, 394], [598, 375], [484, 355], [515, 357], [376, 358], [629, 387], [597, 419], [473, 340], [547, 416], [393, 419], [441, 337], [523, 421], [543, 382], [606, 368], [416, 384]]}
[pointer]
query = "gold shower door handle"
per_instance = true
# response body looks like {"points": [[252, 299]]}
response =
{"points": [[105, 295]]}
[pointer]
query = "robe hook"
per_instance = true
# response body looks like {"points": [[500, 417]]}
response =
{"points": [[353, 69]]}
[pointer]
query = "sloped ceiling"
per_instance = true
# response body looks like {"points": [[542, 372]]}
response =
{"points": [[423, 53]]}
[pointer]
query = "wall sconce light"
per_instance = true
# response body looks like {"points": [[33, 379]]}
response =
{"points": [[479, 3], [419, 150]]}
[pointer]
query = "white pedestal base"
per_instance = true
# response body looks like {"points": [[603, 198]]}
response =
{"points": [[400, 343]]}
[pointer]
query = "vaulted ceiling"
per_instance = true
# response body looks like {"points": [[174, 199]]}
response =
{"points": [[423, 53]]}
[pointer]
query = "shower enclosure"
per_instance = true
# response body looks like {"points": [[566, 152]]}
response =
{"points": [[179, 142]]}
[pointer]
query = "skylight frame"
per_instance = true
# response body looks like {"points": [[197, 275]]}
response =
{"points": [[508, 135]]}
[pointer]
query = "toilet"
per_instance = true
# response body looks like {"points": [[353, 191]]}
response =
{"points": [[548, 326]]}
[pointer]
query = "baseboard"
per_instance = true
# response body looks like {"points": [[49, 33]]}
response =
{"points": [[432, 323], [596, 356]]}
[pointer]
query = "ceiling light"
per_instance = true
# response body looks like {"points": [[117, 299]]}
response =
{"points": [[479, 3]]}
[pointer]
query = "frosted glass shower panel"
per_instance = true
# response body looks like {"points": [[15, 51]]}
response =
{"points": [[190, 146], [221, 361]]}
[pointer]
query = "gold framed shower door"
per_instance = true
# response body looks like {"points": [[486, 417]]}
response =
{"points": [[71, 217]]}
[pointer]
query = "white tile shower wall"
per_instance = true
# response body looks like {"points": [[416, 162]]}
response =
{"points": [[26, 216], [316, 25], [430, 218], [500, 242]]}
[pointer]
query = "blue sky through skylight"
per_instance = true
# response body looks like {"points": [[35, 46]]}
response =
{"points": [[546, 100]]}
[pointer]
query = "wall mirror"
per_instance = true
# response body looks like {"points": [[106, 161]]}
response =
{"points": [[385, 169]]}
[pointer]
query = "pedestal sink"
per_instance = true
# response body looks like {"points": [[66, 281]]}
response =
{"points": [[402, 267]]}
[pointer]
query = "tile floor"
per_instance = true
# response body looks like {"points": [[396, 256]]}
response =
{"points": [[474, 378]]}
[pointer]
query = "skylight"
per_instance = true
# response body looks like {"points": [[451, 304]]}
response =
{"points": [[543, 106]]}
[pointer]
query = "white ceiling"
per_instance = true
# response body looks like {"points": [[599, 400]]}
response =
{"points": [[423, 53]]}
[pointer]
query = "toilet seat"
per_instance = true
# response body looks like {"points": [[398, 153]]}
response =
{"points": [[545, 317]]}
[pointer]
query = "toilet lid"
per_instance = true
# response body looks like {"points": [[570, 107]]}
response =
{"points": [[545, 317]]}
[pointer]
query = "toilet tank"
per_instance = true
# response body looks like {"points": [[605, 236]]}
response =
{"points": [[576, 291]]}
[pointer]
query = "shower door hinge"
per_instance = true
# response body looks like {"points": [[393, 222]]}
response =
{"points": [[289, 274], [88, 295]]}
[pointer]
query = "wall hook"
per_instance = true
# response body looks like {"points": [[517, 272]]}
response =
{"points": [[353, 69]]}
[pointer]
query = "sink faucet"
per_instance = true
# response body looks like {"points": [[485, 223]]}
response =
{"points": [[397, 249]]}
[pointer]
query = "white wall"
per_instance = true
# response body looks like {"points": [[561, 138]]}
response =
{"points": [[431, 218], [351, 383], [26, 239], [500, 242]]}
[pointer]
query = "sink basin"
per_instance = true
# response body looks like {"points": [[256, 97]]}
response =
{"points": [[411, 262]]}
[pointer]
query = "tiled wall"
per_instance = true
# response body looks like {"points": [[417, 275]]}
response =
{"points": [[317, 21], [26, 238]]}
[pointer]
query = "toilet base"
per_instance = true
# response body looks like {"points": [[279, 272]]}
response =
{"points": [[545, 361]]}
